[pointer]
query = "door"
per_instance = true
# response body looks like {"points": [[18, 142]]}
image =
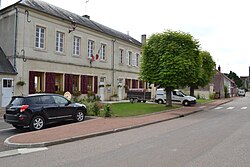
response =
{"points": [[7, 91]]}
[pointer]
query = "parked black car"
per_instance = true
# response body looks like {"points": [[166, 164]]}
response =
{"points": [[37, 110]]}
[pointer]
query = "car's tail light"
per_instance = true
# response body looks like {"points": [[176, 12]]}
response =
{"points": [[23, 108]]}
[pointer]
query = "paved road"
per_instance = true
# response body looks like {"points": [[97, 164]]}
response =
{"points": [[6, 131], [216, 138]]}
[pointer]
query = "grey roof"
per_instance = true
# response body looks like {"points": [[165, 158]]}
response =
{"points": [[5, 65], [64, 14]]}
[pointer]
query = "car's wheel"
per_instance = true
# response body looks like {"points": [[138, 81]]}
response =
{"points": [[144, 101], [186, 103], [37, 123], [80, 116], [17, 126], [160, 101]]}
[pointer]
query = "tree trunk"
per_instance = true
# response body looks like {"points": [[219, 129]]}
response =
{"points": [[191, 91], [168, 97]]}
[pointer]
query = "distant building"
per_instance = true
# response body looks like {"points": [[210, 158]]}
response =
{"points": [[246, 81], [53, 50]]}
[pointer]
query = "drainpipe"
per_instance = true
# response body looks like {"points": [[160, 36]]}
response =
{"points": [[15, 39], [113, 64]]}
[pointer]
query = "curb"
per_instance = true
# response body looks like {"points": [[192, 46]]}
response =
{"points": [[72, 139]]}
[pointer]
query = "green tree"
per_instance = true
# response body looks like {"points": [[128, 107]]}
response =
{"points": [[233, 76], [207, 72], [169, 59]]}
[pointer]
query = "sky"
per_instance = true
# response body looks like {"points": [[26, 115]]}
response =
{"points": [[221, 26]]}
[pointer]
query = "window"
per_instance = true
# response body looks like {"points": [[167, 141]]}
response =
{"points": [[137, 60], [76, 46], [40, 37], [60, 100], [128, 58], [7, 83], [75, 83], [133, 59], [121, 52], [90, 48], [59, 41], [103, 52], [90, 83]]}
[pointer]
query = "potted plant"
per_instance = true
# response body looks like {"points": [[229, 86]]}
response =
{"points": [[20, 83], [114, 97]]}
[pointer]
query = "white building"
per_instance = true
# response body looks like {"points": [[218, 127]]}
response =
{"points": [[54, 50]]}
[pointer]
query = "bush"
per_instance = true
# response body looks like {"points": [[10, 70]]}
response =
{"points": [[96, 109], [107, 111], [212, 96]]}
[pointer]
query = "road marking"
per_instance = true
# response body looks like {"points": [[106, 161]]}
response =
{"points": [[2, 130], [244, 108], [21, 151], [217, 108], [230, 108]]}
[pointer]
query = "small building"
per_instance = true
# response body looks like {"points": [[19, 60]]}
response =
{"points": [[221, 83]]}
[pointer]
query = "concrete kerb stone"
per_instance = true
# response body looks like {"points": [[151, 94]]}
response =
{"points": [[65, 140]]}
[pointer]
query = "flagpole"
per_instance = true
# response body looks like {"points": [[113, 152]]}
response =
{"points": [[86, 6]]}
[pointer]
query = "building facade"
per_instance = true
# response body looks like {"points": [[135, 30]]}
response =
{"points": [[53, 50]]}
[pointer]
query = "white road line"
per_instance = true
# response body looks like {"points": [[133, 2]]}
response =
{"points": [[217, 108], [244, 108], [2, 130], [230, 108], [21, 151]]}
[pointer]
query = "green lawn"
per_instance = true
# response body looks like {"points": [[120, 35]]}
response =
{"points": [[135, 109], [202, 101]]}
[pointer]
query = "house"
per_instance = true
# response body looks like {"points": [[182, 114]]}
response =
{"points": [[217, 86], [7, 72], [53, 50], [221, 83]]}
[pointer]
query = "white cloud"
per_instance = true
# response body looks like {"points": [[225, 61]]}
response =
{"points": [[221, 26]]}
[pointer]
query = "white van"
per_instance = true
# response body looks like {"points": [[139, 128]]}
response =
{"points": [[177, 96]]}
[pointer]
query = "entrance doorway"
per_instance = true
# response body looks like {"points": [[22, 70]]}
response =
{"points": [[7, 91]]}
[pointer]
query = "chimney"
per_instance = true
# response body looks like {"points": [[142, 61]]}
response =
{"points": [[219, 68], [86, 16], [143, 39], [249, 73]]}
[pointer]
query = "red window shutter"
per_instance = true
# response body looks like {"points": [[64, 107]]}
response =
{"points": [[95, 84], [68, 84], [32, 82], [50, 83], [141, 84], [127, 82], [84, 84], [136, 83], [133, 83]]}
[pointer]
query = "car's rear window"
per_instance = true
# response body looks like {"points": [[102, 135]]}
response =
{"points": [[17, 101]]}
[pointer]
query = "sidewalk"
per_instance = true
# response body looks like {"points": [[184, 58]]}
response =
{"points": [[99, 126]]}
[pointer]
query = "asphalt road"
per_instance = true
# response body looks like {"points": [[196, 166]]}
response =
{"points": [[214, 138]]}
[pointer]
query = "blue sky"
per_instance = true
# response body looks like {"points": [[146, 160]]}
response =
{"points": [[221, 26]]}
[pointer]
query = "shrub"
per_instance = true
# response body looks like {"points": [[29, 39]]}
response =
{"points": [[96, 109], [107, 111], [212, 95]]}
